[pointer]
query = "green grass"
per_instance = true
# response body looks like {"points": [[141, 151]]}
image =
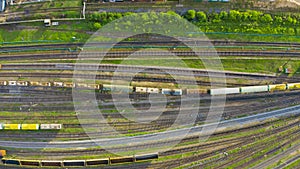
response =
{"points": [[268, 66], [46, 5], [40, 34]]}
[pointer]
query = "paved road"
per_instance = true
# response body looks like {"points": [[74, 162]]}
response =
{"points": [[278, 157], [176, 134]]}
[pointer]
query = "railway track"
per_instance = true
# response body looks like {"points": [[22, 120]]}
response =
{"points": [[179, 162], [111, 77], [196, 157], [248, 152], [293, 138], [124, 54], [133, 69], [152, 42], [166, 120], [167, 153], [189, 159]]}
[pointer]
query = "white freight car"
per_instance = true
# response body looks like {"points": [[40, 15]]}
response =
{"points": [[12, 83], [152, 90], [224, 91], [51, 126], [58, 84], [140, 89], [22, 83], [253, 89]]}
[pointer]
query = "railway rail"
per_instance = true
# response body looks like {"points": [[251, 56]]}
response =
{"points": [[170, 152], [132, 68], [160, 43], [109, 77], [186, 160], [179, 162], [125, 54], [165, 121]]}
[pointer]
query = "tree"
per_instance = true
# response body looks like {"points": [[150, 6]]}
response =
{"points": [[173, 13], [223, 15], [291, 20], [278, 19], [245, 16], [254, 15], [201, 16], [234, 15], [266, 18], [97, 26], [190, 15]]}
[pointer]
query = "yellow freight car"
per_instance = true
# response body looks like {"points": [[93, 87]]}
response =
{"points": [[12, 126], [30, 126], [277, 87], [292, 86], [45, 84], [32, 83], [69, 84]]}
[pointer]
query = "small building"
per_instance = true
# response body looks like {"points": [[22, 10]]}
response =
{"points": [[47, 22]]}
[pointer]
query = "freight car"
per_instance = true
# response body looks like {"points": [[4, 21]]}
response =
{"points": [[173, 92], [3, 83], [116, 88], [254, 89], [141, 89], [196, 91], [277, 87], [225, 91], [30, 126], [12, 83], [45, 84], [152, 90], [50, 126], [291, 86], [58, 84], [147, 90], [11, 126]]}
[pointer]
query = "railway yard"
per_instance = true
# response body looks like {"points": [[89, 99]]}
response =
{"points": [[70, 99]]}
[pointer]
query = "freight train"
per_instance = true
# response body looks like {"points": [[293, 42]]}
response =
{"points": [[104, 88], [108, 88], [81, 163], [30, 126], [254, 89]]}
